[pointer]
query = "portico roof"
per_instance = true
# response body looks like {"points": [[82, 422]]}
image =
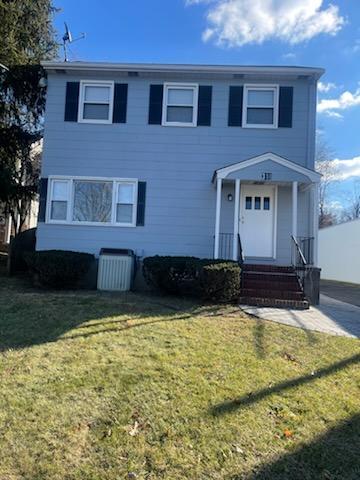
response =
{"points": [[227, 171]]}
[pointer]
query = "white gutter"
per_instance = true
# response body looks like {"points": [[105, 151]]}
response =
{"points": [[162, 68]]}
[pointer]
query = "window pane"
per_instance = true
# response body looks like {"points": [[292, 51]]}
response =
{"points": [[266, 203], [58, 210], [264, 98], [92, 201], [179, 114], [257, 203], [177, 96], [60, 190], [248, 203], [97, 94], [124, 213], [125, 193], [260, 116], [96, 112]]}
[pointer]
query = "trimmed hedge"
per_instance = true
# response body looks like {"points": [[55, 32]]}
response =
{"points": [[216, 280], [59, 268], [23, 243]]}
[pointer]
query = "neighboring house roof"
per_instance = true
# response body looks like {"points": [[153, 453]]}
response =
{"points": [[136, 68]]}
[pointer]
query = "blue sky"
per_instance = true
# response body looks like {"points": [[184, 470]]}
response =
{"points": [[278, 32]]}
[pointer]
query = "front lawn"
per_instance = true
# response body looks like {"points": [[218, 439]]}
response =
{"points": [[108, 387]]}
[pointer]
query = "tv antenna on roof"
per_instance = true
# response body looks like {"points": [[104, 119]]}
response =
{"points": [[67, 39]]}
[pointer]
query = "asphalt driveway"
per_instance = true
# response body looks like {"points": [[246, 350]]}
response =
{"points": [[345, 292]]}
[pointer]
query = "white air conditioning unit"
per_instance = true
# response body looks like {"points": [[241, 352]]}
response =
{"points": [[116, 269]]}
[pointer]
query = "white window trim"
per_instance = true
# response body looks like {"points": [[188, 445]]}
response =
{"points": [[71, 180], [95, 83], [181, 86], [275, 89]]}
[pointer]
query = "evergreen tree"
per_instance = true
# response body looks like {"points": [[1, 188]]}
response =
{"points": [[27, 38]]}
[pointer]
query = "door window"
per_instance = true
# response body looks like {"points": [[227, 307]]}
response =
{"points": [[257, 203]]}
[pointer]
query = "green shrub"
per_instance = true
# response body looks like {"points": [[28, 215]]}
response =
{"points": [[23, 243], [216, 280], [59, 268], [220, 281]]}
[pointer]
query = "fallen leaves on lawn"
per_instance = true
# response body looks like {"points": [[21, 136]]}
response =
{"points": [[288, 433], [134, 430]]}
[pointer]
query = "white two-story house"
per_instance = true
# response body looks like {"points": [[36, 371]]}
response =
{"points": [[201, 160]]}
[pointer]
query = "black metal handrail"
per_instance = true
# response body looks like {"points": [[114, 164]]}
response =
{"points": [[307, 247], [240, 250], [226, 241], [226, 245], [298, 261]]}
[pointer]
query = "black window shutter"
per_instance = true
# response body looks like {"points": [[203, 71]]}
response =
{"points": [[72, 101], [140, 217], [120, 102], [43, 187], [204, 106], [286, 107], [235, 106], [155, 104]]}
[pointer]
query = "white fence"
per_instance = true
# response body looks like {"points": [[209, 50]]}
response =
{"points": [[339, 252]]}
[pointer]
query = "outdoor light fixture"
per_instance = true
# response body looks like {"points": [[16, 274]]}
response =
{"points": [[230, 197]]}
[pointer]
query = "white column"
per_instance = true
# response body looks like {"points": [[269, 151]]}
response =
{"points": [[217, 217], [236, 219], [315, 227], [294, 208]]}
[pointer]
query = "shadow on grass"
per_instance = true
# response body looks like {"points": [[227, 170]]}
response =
{"points": [[246, 400], [30, 316], [334, 455], [259, 334]]}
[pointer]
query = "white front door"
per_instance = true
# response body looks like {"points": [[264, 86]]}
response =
{"points": [[257, 220]]}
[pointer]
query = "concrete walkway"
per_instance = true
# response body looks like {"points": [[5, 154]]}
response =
{"points": [[331, 316]]}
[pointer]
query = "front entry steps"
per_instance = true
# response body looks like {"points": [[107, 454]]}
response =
{"points": [[271, 286]]}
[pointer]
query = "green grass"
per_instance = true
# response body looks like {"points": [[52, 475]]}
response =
{"points": [[102, 386]]}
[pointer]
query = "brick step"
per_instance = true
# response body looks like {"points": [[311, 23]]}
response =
{"points": [[247, 267], [277, 294], [257, 284], [270, 277], [274, 303]]}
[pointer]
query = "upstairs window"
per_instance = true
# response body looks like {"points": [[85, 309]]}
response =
{"points": [[96, 102], [260, 109], [180, 105]]}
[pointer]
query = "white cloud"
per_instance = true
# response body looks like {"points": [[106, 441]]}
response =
{"points": [[332, 114], [331, 106], [347, 168], [239, 22], [326, 87], [289, 56]]}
